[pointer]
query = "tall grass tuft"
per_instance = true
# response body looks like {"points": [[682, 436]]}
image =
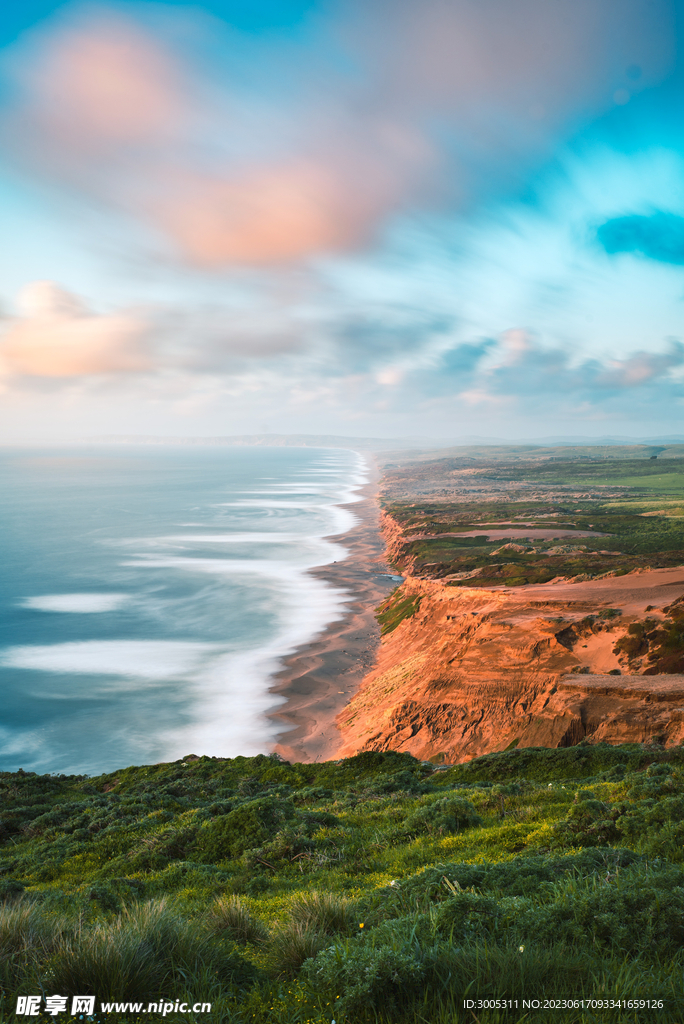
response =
{"points": [[323, 911], [231, 917], [147, 949], [315, 918], [25, 929], [293, 943]]}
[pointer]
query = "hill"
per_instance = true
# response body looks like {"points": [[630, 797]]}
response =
{"points": [[375, 888]]}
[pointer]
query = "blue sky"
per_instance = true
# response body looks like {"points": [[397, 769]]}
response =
{"points": [[449, 218]]}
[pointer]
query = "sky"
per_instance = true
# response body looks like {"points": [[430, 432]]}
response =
{"points": [[387, 218]]}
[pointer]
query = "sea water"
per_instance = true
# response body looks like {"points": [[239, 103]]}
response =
{"points": [[149, 594]]}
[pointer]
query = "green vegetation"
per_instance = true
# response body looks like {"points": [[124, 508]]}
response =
{"points": [[632, 509], [374, 889], [394, 610]]}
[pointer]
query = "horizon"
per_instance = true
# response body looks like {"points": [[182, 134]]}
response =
{"points": [[344, 441], [305, 217]]}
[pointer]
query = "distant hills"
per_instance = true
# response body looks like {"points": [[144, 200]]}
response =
{"points": [[415, 444]]}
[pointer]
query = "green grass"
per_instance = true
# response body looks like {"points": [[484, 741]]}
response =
{"points": [[608, 496], [394, 610], [667, 483], [376, 889]]}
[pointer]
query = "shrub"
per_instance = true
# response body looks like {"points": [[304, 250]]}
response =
{"points": [[394, 782], [470, 915], [365, 976], [522, 876], [589, 822], [105, 896], [635, 911], [10, 889], [245, 828], [449, 814]]}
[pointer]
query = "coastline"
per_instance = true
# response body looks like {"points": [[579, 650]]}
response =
{"points": [[322, 676]]}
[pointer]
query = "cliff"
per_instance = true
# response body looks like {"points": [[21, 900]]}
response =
{"points": [[469, 671]]}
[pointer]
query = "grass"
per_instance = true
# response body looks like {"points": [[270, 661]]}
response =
{"points": [[394, 610], [632, 503], [230, 916], [379, 889]]}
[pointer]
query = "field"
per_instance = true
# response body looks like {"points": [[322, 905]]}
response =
{"points": [[379, 888], [614, 514]]}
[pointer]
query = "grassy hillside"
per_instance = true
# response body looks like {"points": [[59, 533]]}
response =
{"points": [[373, 889]]}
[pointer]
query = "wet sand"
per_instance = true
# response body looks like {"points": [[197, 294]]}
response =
{"points": [[321, 677]]}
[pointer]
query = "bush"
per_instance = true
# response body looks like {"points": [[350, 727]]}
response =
{"points": [[365, 976], [589, 822], [522, 876], [10, 889], [635, 911], [245, 828], [449, 814], [470, 915], [394, 782]]}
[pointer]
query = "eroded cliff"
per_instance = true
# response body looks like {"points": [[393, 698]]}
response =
{"points": [[479, 670]]}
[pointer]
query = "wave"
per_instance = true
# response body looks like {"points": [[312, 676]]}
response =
{"points": [[203, 682]]}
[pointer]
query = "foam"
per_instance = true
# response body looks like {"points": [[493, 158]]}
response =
{"points": [[83, 604], [140, 659], [231, 538], [210, 697]]}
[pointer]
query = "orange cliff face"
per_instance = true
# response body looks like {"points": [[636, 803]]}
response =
{"points": [[479, 670]]}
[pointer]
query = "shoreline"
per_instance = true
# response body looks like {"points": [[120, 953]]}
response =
{"points": [[320, 678]]}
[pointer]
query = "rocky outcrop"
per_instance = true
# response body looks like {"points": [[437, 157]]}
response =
{"points": [[480, 670]]}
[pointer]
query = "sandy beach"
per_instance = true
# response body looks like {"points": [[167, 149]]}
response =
{"points": [[320, 678]]}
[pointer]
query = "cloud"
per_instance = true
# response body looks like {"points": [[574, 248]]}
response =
{"points": [[259, 215], [100, 87], [58, 337], [385, 107], [659, 236], [522, 366], [640, 368]]}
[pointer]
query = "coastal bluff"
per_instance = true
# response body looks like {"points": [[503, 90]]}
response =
{"points": [[469, 670]]}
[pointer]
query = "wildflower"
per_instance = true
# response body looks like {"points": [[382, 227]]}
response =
{"points": [[361, 925], [521, 948]]}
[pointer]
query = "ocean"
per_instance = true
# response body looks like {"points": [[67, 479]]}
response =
{"points": [[149, 594]]}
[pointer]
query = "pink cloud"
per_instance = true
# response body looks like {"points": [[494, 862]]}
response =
{"points": [[266, 214], [58, 337], [99, 87], [447, 97], [641, 367]]}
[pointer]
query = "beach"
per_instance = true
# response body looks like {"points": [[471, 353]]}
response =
{"points": [[320, 678], [152, 594]]}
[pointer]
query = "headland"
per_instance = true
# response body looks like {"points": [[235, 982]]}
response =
{"points": [[543, 603]]}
